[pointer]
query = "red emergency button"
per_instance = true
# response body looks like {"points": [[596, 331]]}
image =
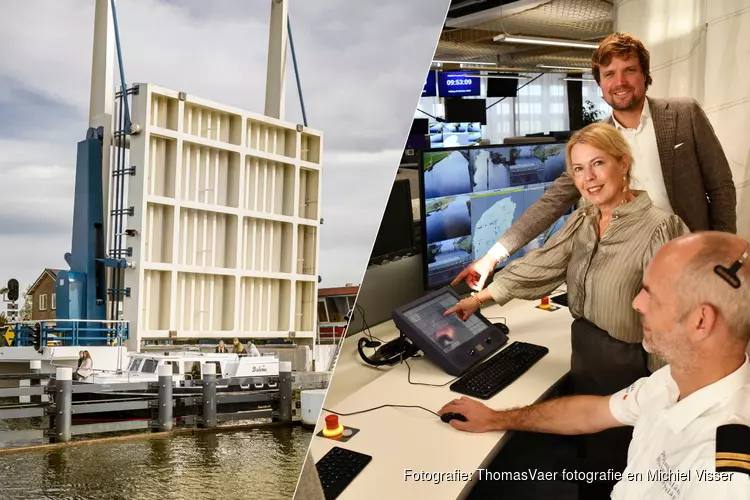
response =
{"points": [[545, 303], [333, 427]]}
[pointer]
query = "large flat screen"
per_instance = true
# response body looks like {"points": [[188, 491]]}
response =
{"points": [[396, 234], [470, 196], [430, 84]]}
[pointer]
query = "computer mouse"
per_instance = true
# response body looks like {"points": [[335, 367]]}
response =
{"points": [[447, 417], [503, 327]]}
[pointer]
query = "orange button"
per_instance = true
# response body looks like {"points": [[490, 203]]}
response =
{"points": [[333, 428]]}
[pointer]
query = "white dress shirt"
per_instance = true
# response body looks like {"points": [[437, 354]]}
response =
{"points": [[673, 452], [646, 174]]}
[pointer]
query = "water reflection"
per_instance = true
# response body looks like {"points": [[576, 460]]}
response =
{"points": [[259, 463]]}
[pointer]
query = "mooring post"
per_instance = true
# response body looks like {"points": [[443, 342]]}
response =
{"points": [[35, 366], [285, 391], [209, 395], [63, 404], [165, 398]]}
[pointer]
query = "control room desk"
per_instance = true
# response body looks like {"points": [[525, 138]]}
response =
{"points": [[411, 438]]}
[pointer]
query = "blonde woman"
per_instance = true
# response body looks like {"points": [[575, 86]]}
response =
{"points": [[601, 253]]}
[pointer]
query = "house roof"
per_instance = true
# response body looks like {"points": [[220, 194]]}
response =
{"points": [[341, 290], [52, 273]]}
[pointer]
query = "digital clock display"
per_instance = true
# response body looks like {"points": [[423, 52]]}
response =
{"points": [[458, 84]]}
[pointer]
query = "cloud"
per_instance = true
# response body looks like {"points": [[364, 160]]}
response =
{"points": [[361, 68]]}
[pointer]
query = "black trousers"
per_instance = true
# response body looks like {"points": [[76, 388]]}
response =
{"points": [[581, 467], [544, 466]]}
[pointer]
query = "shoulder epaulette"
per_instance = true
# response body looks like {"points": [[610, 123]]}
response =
{"points": [[733, 448]]}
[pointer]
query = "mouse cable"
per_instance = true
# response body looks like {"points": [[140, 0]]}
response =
{"points": [[379, 407]]}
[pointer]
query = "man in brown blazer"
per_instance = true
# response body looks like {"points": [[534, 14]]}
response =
{"points": [[679, 160]]}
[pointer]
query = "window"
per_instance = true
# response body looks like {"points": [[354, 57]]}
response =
{"points": [[219, 373], [193, 370], [149, 366], [337, 309], [54, 301], [175, 367], [43, 302], [322, 311]]}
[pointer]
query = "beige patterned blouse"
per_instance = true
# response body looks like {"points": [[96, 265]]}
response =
{"points": [[603, 275]]}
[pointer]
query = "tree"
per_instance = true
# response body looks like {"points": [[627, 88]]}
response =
{"points": [[25, 312], [3, 319]]}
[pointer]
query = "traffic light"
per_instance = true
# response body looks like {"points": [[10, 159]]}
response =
{"points": [[13, 290], [35, 334]]}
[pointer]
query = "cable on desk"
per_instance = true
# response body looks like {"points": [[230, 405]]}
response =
{"points": [[408, 378], [365, 325], [379, 407], [505, 321]]}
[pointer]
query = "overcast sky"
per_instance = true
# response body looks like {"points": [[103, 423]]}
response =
{"points": [[362, 66]]}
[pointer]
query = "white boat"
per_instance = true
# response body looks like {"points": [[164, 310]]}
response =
{"points": [[189, 366]]}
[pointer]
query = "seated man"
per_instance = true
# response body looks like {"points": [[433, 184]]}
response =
{"points": [[691, 418]]}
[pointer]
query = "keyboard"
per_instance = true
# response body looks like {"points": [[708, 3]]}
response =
{"points": [[492, 376], [561, 299], [338, 468]]}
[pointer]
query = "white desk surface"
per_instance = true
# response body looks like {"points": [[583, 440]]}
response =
{"points": [[410, 438]]}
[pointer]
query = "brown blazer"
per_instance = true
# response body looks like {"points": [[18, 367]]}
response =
{"points": [[697, 177]]}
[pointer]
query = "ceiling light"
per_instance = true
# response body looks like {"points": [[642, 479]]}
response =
{"points": [[472, 63], [572, 68], [578, 80], [507, 77], [545, 41], [466, 3]]}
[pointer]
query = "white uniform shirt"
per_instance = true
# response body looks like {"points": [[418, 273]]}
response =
{"points": [[673, 453], [646, 174]]}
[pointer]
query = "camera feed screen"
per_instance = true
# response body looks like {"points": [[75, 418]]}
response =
{"points": [[449, 135], [473, 196], [447, 332]]}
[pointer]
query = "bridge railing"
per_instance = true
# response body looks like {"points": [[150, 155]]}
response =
{"points": [[69, 332]]}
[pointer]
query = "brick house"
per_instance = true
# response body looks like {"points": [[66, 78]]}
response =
{"points": [[43, 297], [333, 305]]}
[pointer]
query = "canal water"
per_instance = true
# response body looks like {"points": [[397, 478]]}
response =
{"points": [[260, 463]]}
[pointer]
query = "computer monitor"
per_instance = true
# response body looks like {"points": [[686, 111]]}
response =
{"points": [[396, 234], [452, 344], [465, 110], [503, 87], [469, 196], [430, 84]]}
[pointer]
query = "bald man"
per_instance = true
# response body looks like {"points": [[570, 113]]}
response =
{"points": [[691, 418]]}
